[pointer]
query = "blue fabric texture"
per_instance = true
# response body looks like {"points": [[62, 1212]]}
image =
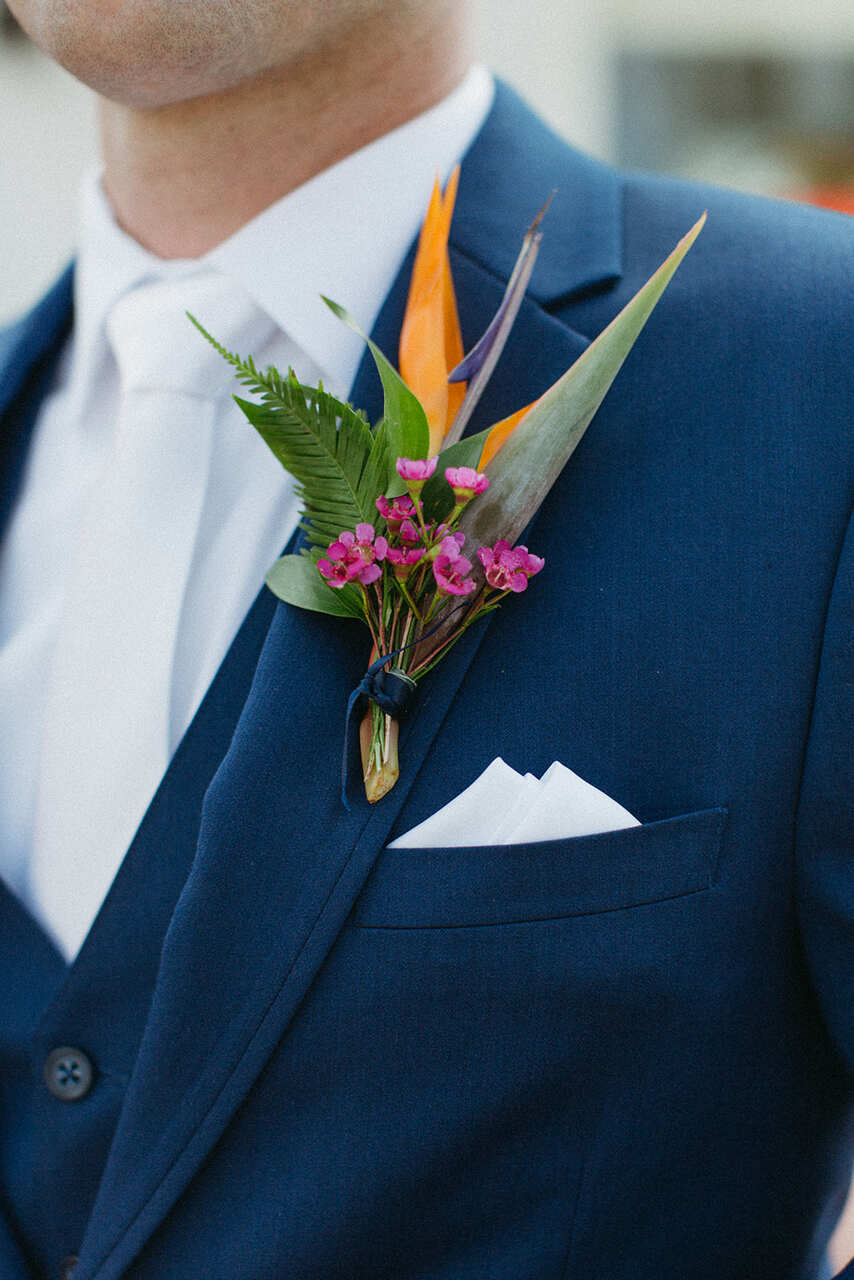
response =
{"points": [[626, 1056]]}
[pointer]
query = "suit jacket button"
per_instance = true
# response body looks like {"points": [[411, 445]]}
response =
{"points": [[66, 1267], [68, 1074]]}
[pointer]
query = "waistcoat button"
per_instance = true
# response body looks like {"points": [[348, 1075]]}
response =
{"points": [[66, 1268], [68, 1074]]}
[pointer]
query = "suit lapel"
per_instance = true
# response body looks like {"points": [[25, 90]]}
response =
{"points": [[512, 168], [28, 352], [279, 861]]}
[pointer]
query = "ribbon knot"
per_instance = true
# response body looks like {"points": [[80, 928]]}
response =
{"points": [[391, 689]]}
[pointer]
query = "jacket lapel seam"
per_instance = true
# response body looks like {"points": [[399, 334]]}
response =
{"points": [[529, 300], [247, 1042]]}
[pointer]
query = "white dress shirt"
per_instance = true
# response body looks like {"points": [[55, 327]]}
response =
{"points": [[343, 234]]}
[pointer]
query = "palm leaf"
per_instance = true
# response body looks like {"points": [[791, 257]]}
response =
{"points": [[379, 475]]}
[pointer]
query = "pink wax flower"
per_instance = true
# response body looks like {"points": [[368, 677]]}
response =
{"points": [[509, 568], [397, 510], [370, 574], [409, 532], [416, 469], [528, 563], [415, 472], [404, 559], [370, 546], [338, 574], [451, 544], [450, 574], [466, 482], [354, 556], [362, 544]]}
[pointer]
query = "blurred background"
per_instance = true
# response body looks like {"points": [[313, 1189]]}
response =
{"points": [[758, 96], [755, 95]]}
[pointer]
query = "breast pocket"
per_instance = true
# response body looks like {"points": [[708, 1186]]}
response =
{"points": [[443, 888]]}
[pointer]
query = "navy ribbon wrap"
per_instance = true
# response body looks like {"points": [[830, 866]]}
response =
{"points": [[392, 690]]}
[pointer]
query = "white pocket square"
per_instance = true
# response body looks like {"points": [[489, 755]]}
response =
{"points": [[506, 807]]}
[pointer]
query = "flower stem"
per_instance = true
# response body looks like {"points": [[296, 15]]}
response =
{"points": [[378, 741], [366, 605], [419, 514], [433, 659], [408, 598]]}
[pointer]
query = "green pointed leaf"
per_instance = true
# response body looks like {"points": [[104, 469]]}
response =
{"points": [[527, 465], [296, 580], [409, 434]]}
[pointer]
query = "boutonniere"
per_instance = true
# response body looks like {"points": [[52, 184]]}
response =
{"points": [[409, 525]]}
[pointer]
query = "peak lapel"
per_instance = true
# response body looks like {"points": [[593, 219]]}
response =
{"points": [[511, 169], [279, 861]]}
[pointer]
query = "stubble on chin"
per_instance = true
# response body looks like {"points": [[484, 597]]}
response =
{"points": [[139, 52], [152, 53]]}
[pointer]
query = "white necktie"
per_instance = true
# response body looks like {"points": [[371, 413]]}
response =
{"points": [[106, 743]]}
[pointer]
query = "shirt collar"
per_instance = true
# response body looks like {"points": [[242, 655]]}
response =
{"points": [[346, 231], [109, 264], [344, 234]]}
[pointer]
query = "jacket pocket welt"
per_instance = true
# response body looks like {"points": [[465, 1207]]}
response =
{"points": [[442, 888]]}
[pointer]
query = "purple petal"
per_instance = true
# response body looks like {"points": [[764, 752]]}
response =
{"points": [[477, 366]]}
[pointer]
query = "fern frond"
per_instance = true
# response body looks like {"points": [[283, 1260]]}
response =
{"points": [[327, 446]]}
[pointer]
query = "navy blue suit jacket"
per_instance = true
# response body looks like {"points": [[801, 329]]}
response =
{"points": [[626, 1056]]}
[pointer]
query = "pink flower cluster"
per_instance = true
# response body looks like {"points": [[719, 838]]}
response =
{"points": [[354, 556], [357, 557], [509, 568]]}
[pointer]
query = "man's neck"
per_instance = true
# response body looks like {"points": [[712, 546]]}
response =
{"points": [[183, 178]]}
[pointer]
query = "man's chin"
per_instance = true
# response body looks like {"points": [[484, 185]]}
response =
{"points": [[160, 90], [139, 57]]}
